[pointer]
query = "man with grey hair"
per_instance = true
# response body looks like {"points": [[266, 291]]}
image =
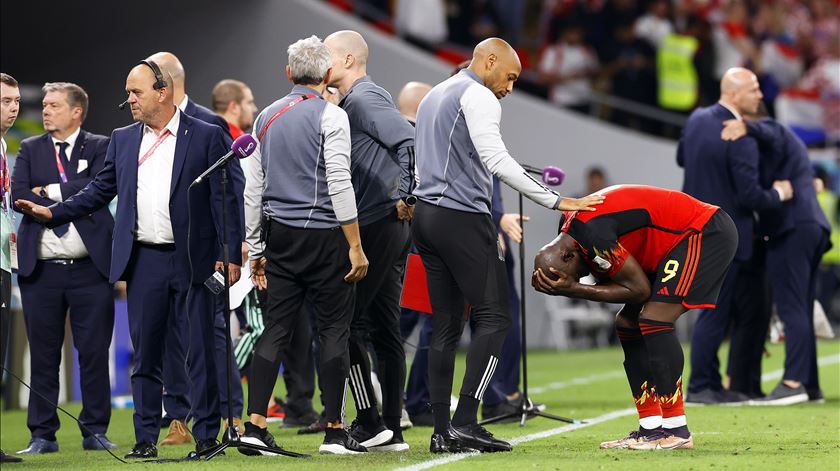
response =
{"points": [[65, 269], [298, 195]]}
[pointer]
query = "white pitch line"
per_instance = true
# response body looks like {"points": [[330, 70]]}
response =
{"points": [[522, 439], [578, 381], [776, 374]]}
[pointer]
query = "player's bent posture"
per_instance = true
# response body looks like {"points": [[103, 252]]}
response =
{"points": [[660, 252]]}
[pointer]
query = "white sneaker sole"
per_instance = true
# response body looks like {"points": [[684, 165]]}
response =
{"points": [[255, 441], [335, 449], [380, 438], [782, 401], [391, 447]]}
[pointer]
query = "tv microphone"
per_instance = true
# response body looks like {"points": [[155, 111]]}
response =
{"points": [[551, 176], [122, 105], [242, 147]]}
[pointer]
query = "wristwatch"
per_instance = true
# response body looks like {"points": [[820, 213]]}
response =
{"points": [[410, 200], [43, 192]]}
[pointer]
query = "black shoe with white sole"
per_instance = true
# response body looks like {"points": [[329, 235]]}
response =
{"points": [[257, 436], [338, 441], [370, 436]]}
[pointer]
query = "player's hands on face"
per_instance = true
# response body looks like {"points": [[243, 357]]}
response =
{"points": [[359, 265], [733, 129], [586, 203], [41, 213], [542, 283], [510, 224], [258, 273]]}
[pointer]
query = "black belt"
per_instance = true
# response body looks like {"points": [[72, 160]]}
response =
{"points": [[67, 261], [163, 247]]}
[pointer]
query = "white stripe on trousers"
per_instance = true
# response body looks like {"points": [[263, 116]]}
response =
{"points": [[359, 386], [488, 374]]}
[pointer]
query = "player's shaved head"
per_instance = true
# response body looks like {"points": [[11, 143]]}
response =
{"points": [[497, 65], [349, 42], [410, 97], [562, 255]]}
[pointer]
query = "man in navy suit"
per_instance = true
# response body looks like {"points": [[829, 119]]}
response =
{"points": [[65, 267], [726, 174], [176, 395], [166, 243], [798, 235]]}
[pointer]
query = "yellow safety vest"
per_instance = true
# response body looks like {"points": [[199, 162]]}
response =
{"points": [[677, 76]]}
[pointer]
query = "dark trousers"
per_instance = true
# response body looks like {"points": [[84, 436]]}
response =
{"points": [[47, 294], [176, 383], [417, 389], [742, 305], [304, 265], [376, 317], [506, 379], [792, 262], [463, 267], [159, 289]]}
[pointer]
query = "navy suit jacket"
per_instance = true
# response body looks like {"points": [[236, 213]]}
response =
{"points": [[785, 157], [724, 173], [198, 146], [35, 166]]}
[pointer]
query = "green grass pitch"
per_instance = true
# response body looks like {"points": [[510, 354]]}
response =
{"points": [[579, 384]]}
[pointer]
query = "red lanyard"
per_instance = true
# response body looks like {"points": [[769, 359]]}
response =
{"points": [[154, 147], [61, 173], [285, 109]]}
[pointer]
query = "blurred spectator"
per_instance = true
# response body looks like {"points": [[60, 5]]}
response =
{"points": [[733, 45], [630, 64], [824, 78], [828, 276], [596, 180], [780, 61], [654, 25], [423, 21], [568, 67]]}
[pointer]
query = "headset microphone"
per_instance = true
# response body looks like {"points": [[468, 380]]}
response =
{"points": [[122, 105]]}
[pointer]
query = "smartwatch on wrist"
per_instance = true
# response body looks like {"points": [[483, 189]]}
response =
{"points": [[43, 192], [410, 200]]}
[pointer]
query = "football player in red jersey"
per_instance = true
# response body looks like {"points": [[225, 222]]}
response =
{"points": [[660, 253]]}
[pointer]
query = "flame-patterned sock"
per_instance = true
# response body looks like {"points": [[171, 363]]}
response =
{"points": [[637, 367], [666, 363]]}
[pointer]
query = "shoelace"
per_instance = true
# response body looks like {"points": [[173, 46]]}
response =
{"points": [[479, 430]]}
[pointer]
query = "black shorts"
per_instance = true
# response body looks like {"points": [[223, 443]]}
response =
{"points": [[693, 271]]}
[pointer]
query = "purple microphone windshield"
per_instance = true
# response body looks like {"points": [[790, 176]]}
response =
{"points": [[244, 146], [553, 176]]}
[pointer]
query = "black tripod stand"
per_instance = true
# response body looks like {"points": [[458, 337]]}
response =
{"points": [[526, 407], [232, 438]]}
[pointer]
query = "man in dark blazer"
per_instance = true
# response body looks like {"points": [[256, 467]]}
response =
{"points": [[166, 243], [65, 267], [176, 399], [798, 234], [726, 174]]}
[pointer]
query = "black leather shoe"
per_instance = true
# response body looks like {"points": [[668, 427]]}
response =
{"points": [[204, 445], [448, 442], [4, 458], [143, 450], [477, 437]]}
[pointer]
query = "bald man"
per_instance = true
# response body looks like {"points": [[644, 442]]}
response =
{"points": [[382, 153], [176, 397], [726, 174], [150, 166], [410, 97], [459, 150]]}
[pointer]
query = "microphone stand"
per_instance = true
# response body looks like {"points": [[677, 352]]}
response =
{"points": [[232, 439], [526, 407]]}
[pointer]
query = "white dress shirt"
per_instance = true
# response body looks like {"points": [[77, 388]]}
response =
{"points": [[70, 245], [154, 178]]}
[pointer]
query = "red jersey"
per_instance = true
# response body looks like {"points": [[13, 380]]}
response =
{"points": [[643, 221], [234, 130]]}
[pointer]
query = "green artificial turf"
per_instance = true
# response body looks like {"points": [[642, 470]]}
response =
{"points": [[578, 384]]}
